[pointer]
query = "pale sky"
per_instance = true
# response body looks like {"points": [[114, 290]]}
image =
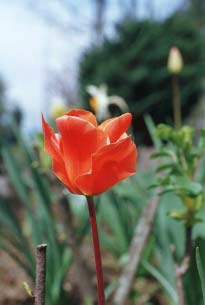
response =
{"points": [[29, 47]]}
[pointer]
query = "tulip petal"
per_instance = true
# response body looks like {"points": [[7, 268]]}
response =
{"points": [[80, 139], [84, 115], [61, 174], [110, 165], [52, 147], [52, 143], [116, 127]]}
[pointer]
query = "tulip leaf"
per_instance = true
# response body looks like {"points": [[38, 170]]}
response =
{"points": [[192, 189], [201, 272], [162, 280], [151, 128], [164, 167], [163, 153], [39, 222]]}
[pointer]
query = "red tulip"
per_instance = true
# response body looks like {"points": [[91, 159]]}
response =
{"points": [[89, 158]]}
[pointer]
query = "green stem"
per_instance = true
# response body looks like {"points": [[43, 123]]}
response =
{"points": [[188, 244], [176, 102], [96, 246], [180, 270]]}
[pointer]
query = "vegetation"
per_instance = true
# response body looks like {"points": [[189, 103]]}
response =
{"points": [[134, 65], [7, 116]]}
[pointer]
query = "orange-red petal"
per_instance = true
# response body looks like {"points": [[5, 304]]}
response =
{"points": [[110, 165], [115, 127], [53, 148], [52, 143], [80, 139], [84, 115], [61, 174]]}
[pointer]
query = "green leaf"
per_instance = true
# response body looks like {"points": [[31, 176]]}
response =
{"points": [[162, 280], [163, 153], [178, 214], [110, 215], [37, 198], [201, 272], [151, 128], [192, 189], [164, 132], [164, 167], [15, 173]]}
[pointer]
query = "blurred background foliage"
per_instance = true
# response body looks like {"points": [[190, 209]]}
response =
{"points": [[7, 116], [134, 65]]}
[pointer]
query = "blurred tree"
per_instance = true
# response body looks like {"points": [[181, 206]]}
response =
{"points": [[93, 17], [7, 117], [99, 20], [134, 66], [63, 15], [129, 8], [2, 108], [2, 91], [2, 111], [197, 9]]}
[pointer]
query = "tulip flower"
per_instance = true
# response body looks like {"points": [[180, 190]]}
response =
{"points": [[89, 159]]}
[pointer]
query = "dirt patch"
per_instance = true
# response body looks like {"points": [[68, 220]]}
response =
{"points": [[12, 277]]}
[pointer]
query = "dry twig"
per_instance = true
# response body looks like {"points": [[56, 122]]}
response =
{"points": [[40, 288]]}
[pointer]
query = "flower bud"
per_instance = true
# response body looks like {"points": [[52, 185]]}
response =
{"points": [[175, 61]]}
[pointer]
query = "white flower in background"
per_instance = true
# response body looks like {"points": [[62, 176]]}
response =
{"points": [[175, 61], [58, 107], [100, 101]]}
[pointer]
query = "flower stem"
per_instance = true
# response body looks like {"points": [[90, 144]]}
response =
{"points": [[176, 102], [96, 246], [180, 270]]}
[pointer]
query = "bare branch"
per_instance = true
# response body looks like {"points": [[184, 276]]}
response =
{"points": [[40, 288]]}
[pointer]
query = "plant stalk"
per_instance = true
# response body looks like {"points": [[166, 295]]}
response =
{"points": [[180, 270], [96, 247], [176, 102]]}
